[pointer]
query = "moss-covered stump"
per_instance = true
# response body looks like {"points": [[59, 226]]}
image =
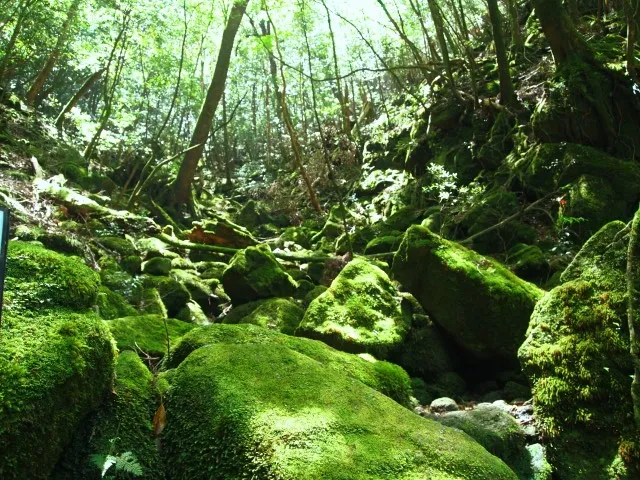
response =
{"points": [[147, 333], [55, 368], [481, 305], [123, 424], [277, 314], [37, 277], [577, 357], [276, 413], [491, 427], [254, 273], [382, 376], [360, 312]]}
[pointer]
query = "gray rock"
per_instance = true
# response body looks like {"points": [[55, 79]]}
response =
{"points": [[444, 404]]}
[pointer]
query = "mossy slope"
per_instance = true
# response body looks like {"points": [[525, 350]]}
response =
{"points": [[267, 412]]}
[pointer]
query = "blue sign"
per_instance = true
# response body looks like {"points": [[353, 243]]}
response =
{"points": [[4, 241]]}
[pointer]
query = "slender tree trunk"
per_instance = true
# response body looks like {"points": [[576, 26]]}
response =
{"points": [[189, 165], [295, 143], [51, 62], [415, 6], [86, 86], [517, 43], [444, 50], [225, 140], [507, 94], [346, 120], [23, 11], [633, 311]]}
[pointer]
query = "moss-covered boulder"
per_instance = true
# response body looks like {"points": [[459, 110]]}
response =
{"points": [[277, 413], [122, 246], [360, 312], [254, 273], [55, 368], [277, 314], [151, 303], [481, 305], [193, 313], [147, 332], [157, 266], [221, 232], [209, 270], [382, 376], [577, 357], [37, 277], [199, 290], [113, 305], [123, 424], [174, 294], [384, 244], [528, 262], [491, 427]]}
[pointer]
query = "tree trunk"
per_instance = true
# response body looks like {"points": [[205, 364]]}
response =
{"points": [[23, 9], [632, 8], [43, 76], [633, 311], [444, 50], [560, 31], [517, 43], [433, 51], [574, 13], [189, 165], [507, 94], [86, 86]]}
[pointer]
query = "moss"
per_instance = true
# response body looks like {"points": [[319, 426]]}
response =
{"points": [[491, 427], [113, 305], [154, 247], [528, 262], [297, 235], [382, 245], [151, 303], [255, 273], [157, 266], [121, 282], [200, 291], [277, 314], [481, 305], [192, 313], [173, 293], [123, 424], [147, 332], [122, 246], [63, 242], [132, 264], [238, 313], [491, 210], [183, 264], [55, 368], [37, 277], [210, 270], [280, 414], [313, 294], [385, 377], [360, 312], [450, 384], [577, 357]]}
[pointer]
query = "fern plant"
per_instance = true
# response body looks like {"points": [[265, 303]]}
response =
{"points": [[115, 466]]}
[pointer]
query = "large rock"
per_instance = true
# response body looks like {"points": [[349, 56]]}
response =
{"points": [[56, 364], [277, 413], [382, 376], [577, 357], [276, 313], [123, 424], [483, 307], [360, 312], [254, 273]]}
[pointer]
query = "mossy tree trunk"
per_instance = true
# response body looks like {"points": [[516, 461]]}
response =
{"points": [[560, 31], [517, 43], [632, 12], [633, 311], [507, 94], [86, 86], [438, 23]]}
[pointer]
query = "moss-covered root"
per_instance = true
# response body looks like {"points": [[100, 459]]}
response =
{"points": [[278, 414], [123, 424], [482, 306], [360, 312], [55, 368], [385, 377]]}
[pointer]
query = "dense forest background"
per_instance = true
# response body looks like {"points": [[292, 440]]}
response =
{"points": [[320, 239]]}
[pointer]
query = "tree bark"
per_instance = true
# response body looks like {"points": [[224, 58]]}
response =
{"points": [[632, 9], [507, 94], [633, 311], [23, 10], [51, 62], [560, 31], [189, 165], [442, 42], [86, 86], [517, 43]]}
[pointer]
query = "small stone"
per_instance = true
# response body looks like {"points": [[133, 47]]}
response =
{"points": [[444, 404], [157, 266]]}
